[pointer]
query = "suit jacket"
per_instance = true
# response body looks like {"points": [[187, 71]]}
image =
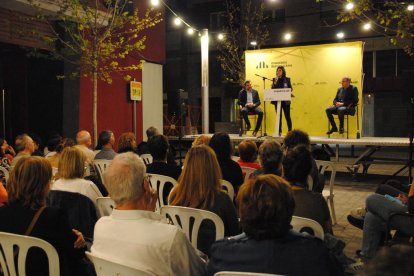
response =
{"points": [[281, 83], [350, 98], [243, 98]]}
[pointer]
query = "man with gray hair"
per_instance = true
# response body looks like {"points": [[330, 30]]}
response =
{"points": [[133, 234], [24, 146], [344, 103]]}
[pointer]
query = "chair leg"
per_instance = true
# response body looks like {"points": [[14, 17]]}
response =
{"points": [[347, 126]]}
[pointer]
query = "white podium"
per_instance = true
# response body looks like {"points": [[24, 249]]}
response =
{"points": [[279, 95]]}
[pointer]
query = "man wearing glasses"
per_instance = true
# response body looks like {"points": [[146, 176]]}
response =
{"points": [[344, 103]]}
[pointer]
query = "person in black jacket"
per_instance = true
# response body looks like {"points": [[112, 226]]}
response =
{"points": [[344, 103], [281, 81], [249, 102]]}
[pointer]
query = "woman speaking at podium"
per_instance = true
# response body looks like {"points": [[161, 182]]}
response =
{"points": [[281, 81]]}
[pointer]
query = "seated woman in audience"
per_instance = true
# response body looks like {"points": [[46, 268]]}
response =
{"points": [[127, 142], [270, 157], [201, 140], [54, 158], [4, 162], [297, 165], [268, 245], [7, 150], [71, 171], [231, 171], [28, 187], [248, 155], [199, 186]]}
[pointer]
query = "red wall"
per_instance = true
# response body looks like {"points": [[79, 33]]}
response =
{"points": [[115, 111]]}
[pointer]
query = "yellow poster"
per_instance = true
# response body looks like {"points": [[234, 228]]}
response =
{"points": [[136, 91], [316, 72]]}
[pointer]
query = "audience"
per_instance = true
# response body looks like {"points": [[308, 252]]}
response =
{"points": [[4, 161], [201, 140], [298, 137], [106, 142], [127, 143], [24, 146], [248, 155], [54, 140], [71, 170], [38, 147], [54, 158], [392, 261], [28, 187], [3, 194], [297, 164], [133, 234], [199, 186], [379, 210], [7, 150], [84, 142], [268, 245], [230, 170], [158, 148], [270, 157], [143, 146]]}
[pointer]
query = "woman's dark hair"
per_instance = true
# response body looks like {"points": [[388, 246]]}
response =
{"points": [[103, 139], [220, 143], [53, 142], [248, 151], [158, 147], [283, 71], [66, 142], [270, 154], [1, 149], [297, 164], [266, 207], [296, 137]]}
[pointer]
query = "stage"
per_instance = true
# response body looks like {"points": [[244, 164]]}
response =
{"points": [[332, 145]]}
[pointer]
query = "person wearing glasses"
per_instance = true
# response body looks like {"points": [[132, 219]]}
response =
{"points": [[344, 103]]}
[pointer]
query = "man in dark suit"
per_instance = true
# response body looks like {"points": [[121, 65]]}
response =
{"points": [[344, 103], [249, 102]]}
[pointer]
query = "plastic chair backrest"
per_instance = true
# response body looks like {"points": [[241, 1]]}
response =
{"points": [[147, 158], [158, 182], [100, 166], [299, 224], [105, 267], [247, 172], [322, 166], [7, 261], [183, 216], [105, 206], [237, 273], [228, 188]]}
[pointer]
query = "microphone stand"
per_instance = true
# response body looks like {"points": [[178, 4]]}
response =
{"points": [[264, 106]]}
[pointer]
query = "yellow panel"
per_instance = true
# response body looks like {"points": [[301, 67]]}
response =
{"points": [[316, 72]]}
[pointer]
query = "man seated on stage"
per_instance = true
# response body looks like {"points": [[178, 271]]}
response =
{"points": [[249, 102], [344, 103]]}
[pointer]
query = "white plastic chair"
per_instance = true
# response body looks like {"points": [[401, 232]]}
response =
{"points": [[228, 188], [237, 273], [158, 182], [5, 172], [147, 158], [105, 206], [298, 223], [328, 194], [181, 216], [247, 172], [7, 260], [105, 267], [100, 166]]}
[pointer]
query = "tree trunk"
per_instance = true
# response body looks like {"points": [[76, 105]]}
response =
{"points": [[95, 108]]}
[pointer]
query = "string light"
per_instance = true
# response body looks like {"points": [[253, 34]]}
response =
{"points": [[340, 35], [349, 6], [177, 21], [288, 36], [367, 26]]}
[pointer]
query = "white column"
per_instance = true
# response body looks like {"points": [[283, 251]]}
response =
{"points": [[204, 82]]}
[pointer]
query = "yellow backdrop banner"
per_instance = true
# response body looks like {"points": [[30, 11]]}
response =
{"points": [[316, 72]]}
